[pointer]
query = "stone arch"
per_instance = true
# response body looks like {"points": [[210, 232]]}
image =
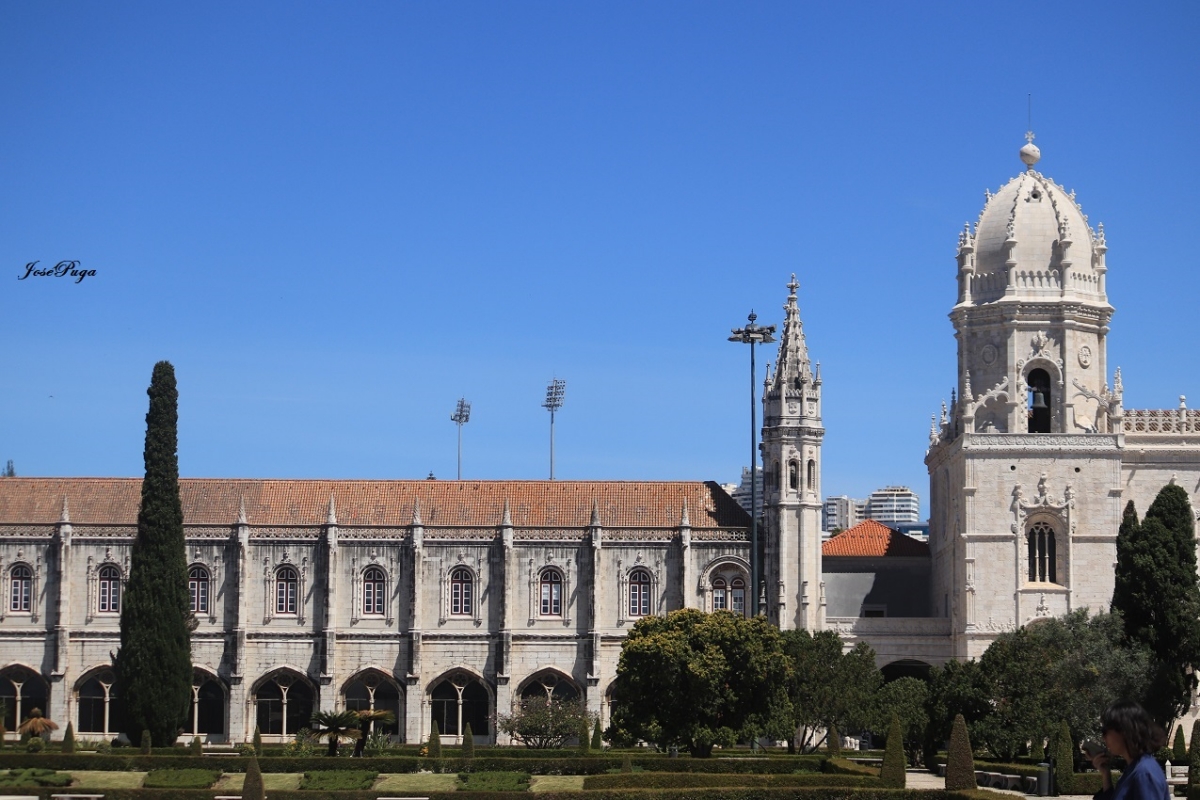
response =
{"points": [[22, 688], [208, 715], [98, 708], [373, 688], [905, 668], [456, 698], [282, 702], [1043, 553], [551, 682], [724, 569]]}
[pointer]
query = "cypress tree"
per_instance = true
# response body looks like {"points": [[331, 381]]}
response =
{"points": [[256, 741], [892, 774], [833, 743], [1156, 591], [585, 741], [1193, 784], [1064, 756], [960, 759], [597, 737], [252, 789], [468, 748], [435, 741], [154, 664], [1179, 748], [68, 740]]}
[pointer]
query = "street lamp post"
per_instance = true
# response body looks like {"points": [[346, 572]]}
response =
{"points": [[554, 400], [460, 417], [753, 334]]}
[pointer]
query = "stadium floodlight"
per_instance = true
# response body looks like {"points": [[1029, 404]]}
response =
{"points": [[460, 417], [753, 334], [554, 400]]}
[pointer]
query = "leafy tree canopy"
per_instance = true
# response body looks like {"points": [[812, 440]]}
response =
{"points": [[694, 680], [828, 687], [904, 699], [542, 722]]}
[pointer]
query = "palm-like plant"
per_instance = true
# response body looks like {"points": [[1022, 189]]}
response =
{"points": [[335, 726], [36, 724], [365, 718]]}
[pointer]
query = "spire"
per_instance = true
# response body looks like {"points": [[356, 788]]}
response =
{"points": [[241, 520], [331, 519], [506, 520], [684, 522], [793, 364], [595, 522], [66, 512], [416, 517]]}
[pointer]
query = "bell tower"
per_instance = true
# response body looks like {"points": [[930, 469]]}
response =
{"points": [[791, 449]]}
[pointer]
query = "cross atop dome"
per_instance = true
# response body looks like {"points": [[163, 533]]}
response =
{"points": [[1030, 154]]}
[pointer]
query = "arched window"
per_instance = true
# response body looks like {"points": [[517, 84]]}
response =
{"points": [[198, 589], [737, 596], [207, 714], [793, 475], [720, 601], [371, 691], [1042, 555], [373, 591], [110, 590], [550, 686], [286, 585], [776, 476], [812, 475], [457, 702], [99, 707], [1039, 401], [461, 584], [284, 705], [551, 593], [21, 691], [639, 593], [21, 578]]}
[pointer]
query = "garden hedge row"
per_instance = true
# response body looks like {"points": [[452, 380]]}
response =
{"points": [[544, 766], [683, 780], [827, 793]]}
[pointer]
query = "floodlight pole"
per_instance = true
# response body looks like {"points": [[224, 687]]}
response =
{"points": [[753, 334], [460, 417], [554, 400]]}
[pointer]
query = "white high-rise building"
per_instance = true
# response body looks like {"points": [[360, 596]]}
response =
{"points": [[894, 505], [840, 512], [741, 492]]}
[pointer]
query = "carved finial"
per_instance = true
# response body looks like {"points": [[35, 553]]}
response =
{"points": [[1173, 477], [684, 522], [1182, 402], [792, 286], [595, 521], [1010, 231], [964, 238], [1100, 234], [944, 412], [331, 517], [1030, 154], [506, 520], [967, 395], [933, 426], [242, 510], [416, 517], [1118, 388], [817, 374], [66, 512]]}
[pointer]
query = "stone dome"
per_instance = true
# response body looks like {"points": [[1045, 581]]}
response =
{"points": [[1037, 224]]}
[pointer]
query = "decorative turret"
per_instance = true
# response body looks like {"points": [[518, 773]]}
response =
{"points": [[793, 369]]}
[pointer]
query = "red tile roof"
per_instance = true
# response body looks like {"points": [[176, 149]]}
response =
{"points": [[873, 539], [536, 504]]}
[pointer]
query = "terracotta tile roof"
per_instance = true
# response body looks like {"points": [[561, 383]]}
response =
{"points": [[215, 501], [873, 539]]}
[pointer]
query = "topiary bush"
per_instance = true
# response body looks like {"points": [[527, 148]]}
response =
{"points": [[147, 746], [1179, 751], [892, 774], [833, 745], [68, 740], [468, 747], [181, 778], [197, 748], [435, 741], [256, 742], [35, 744], [960, 760], [252, 789], [1064, 766], [1193, 784], [597, 737], [334, 780], [626, 763]]}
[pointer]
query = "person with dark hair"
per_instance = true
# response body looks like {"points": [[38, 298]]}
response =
{"points": [[1130, 733]]}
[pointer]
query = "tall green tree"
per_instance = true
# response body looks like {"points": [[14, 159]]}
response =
{"points": [[1157, 593], [904, 699], [828, 687], [154, 663], [695, 680]]}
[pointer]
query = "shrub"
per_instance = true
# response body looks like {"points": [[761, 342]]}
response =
{"points": [[1037, 751], [252, 789], [1064, 767], [197, 748], [147, 746], [257, 742], [435, 741], [181, 778], [844, 766], [894, 762], [468, 746], [103, 748], [684, 780], [585, 742], [833, 745], [1193, 784], [30, 778], [494, 781], [626, 763], [333, 780], [378, 744], [68, 740], [960, 761], [597, 737], [35, 744]]}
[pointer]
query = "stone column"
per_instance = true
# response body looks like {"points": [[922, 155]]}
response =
{"points": [[60, 689], [596, 539], [506, 578], [328, 619], [240, 728], [415, 708]]}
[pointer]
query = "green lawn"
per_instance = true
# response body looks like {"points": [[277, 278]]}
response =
{"points": [[93, 779], [410, 782], [556, 783], [232, 781]]}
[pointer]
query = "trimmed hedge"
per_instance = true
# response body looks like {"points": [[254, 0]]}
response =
{"points": [[331, 780], [844, 766], [649, 794], [677, 780], [181, 778]]}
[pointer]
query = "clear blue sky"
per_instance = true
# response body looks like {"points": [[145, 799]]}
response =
{"points": [[335, 219]]}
